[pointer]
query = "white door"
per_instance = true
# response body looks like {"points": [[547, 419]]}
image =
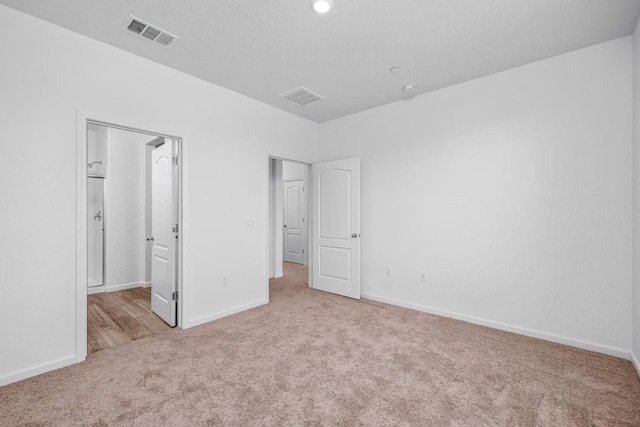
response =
{"points": [[336, 227], [293, 221], [164, 243]]}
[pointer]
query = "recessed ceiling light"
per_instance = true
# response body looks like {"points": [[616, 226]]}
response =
{"points": [[409, 88], [394, 69], [322, 6]]}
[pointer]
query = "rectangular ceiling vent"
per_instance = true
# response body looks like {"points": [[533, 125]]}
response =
{"points": [[148, 32], [302, 96]]}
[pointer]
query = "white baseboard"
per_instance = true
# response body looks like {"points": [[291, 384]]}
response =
{"points": [[146, 284], [95, 290], [123, 286], [37, 370], [636, 363], [215, 316], [585, 345]]}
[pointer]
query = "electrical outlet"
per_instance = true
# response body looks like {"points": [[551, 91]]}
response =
{"points": [[423, 276], [225, 282], [389, 271]]}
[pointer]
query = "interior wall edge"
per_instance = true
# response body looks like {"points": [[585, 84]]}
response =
{"points": [[219, 315], [635, 158], [559, 339], [37, 370], [124, 286]]}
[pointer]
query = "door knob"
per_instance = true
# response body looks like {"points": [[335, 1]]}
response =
{"points": [[355, 235], [285, 226], [150, 239]]}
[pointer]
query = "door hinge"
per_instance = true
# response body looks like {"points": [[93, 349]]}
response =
{"points": [[175, 228], [303, 251], [175, 160], [174, 296]]}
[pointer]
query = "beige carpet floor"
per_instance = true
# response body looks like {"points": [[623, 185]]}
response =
{"points": [[311, 358]]}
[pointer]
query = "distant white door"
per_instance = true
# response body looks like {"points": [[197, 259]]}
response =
{"points": [[336, 227], [163, 218], [293, 196]]}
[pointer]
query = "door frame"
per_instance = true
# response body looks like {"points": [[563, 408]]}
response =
{"points": [[269, 228], [158, 129]]}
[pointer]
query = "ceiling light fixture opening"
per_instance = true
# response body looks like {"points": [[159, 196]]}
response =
{"points": [[322, 6]]}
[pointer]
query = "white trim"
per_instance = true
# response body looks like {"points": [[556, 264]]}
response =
{"points": [[37, 370], [81, 240], [107, 215], [573, 342], [123, 286], [96, 290], [234, 310], [635, 362], [288, 158], [93, 283]]}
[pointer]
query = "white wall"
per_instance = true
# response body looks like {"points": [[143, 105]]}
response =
{"points": [[126, 232], [512, 192], [635, 300], [97, 143], [47, 74], [292, 171]]}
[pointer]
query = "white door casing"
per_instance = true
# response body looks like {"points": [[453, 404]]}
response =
{"points": [[293, 196], [164, 243], [336, 227]]}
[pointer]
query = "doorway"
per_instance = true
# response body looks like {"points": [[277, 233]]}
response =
{"points": [[314, 222], [129, 261], [288, 215]]}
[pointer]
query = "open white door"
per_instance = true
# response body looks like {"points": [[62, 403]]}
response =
{"points": [[293, 221], [336, 227], [164, 232]]}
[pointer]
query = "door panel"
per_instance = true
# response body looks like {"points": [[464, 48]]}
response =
{"points": [[163, 201], [335, 214], [336, 227], [334, 263], [293, 198]]}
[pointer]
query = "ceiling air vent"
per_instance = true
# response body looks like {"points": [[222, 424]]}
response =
{"points": [[301, 96], [148, 32]]}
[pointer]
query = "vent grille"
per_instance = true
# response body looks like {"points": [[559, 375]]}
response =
{"points": [[148, 32], [301, 96], [136, 26]]}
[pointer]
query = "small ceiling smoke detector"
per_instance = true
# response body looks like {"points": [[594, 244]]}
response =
{"points": [[148, 32], [394, 69], [322, 6], [301, 96], [409, 89]]}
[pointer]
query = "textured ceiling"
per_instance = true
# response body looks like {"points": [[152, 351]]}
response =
{"points": [[264, 48]]}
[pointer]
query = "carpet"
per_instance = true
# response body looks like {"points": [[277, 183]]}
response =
{"points": [[312, 358]]}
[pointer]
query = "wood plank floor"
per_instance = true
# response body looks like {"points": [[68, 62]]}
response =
{"points": [[115, 318]]}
